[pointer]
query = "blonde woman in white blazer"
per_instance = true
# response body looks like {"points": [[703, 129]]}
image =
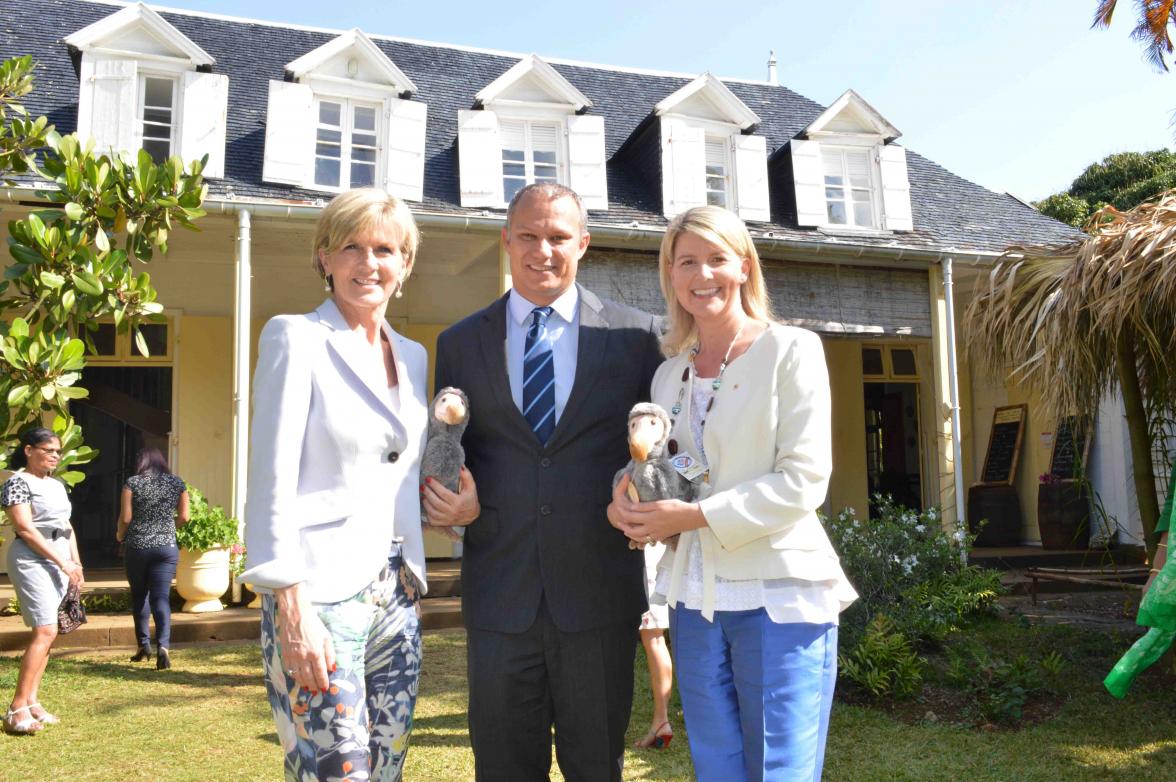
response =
{"points": [[332, 516], [754, 585]]}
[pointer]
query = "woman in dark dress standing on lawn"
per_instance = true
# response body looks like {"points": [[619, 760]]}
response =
{"points": [[154, 503]]}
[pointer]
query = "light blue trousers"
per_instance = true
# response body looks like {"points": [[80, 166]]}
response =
{"points": [[756, 694]]}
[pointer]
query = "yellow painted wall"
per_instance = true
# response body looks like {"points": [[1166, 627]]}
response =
{"points": [[848, 486], [204, 413]]}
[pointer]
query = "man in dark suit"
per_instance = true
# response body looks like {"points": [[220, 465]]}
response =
{"points": [[551, 594]]}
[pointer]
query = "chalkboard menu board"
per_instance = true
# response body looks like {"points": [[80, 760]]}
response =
{"points": [[1070, 448], [1004, 445]]}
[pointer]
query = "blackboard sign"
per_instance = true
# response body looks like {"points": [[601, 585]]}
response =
{"points": [[1071, 446], [1004, 445]]}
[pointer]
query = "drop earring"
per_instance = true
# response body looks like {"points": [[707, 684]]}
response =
{"points": [[328, 284]]}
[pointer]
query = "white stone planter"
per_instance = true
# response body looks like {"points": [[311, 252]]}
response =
{"points": [[201, 578]]}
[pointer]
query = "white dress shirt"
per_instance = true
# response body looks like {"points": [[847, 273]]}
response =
{"points": [[563, 328]]}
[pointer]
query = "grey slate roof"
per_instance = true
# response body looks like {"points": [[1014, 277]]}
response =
{"points": [[949, 211]]}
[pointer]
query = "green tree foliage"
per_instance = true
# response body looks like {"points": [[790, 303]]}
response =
{"points": [[73, 263], [1123, 180]]}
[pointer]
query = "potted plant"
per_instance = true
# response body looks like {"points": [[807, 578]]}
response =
{"points": [[205, 544], [1063, 513]]}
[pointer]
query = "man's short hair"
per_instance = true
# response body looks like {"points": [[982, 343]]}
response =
{"points": [[551, 191]]}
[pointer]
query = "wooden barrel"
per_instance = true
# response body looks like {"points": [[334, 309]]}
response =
{"points": [[1000, 508], [1063, 515]]}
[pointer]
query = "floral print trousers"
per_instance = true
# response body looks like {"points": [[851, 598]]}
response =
{"points": [[358, 729]]}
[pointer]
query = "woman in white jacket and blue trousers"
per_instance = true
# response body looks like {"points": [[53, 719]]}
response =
{"points": [[754, 585], [332, 516]]}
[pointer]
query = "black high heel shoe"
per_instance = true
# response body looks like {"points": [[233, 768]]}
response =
{"points": [[162, 661], [144, 653]]}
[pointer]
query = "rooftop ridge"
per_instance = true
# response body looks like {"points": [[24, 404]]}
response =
{"points": [[421, 42]]}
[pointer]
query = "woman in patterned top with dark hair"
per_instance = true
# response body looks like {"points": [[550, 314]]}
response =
{"points": [[42, 561], [154, 503]]}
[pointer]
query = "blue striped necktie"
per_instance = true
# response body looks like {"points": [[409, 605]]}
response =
{"points": [[539, 377]]}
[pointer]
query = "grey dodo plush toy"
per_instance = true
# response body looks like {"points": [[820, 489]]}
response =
{"points": [[651, 475], [449, 414]]}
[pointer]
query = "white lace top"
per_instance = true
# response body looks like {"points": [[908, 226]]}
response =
{"points": [[786, 599]]}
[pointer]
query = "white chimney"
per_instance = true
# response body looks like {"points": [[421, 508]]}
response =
{"points": [[772, 67]]}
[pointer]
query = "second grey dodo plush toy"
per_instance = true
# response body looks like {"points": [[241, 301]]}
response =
{"points": [[651, 475], [443, 458]]}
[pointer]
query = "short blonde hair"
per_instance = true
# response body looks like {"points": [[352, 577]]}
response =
{"points": [[724, 229], [356, 211]]}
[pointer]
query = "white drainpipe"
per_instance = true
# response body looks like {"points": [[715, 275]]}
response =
{"points": [[242, 312], [954, 386]]}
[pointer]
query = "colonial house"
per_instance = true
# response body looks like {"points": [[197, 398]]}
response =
{"points": [[862, 238]]}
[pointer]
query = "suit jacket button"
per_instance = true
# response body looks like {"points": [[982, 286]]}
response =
{"points": [[393, 456], [545, 510], [544, 462]]}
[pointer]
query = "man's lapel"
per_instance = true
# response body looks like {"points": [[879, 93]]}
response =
{"points": [[590, 353]]}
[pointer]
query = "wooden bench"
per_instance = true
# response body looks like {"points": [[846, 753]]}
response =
{"points": [[1119, 578]]}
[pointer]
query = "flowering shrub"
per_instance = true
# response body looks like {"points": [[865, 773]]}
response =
{"points": [[907, 568]]}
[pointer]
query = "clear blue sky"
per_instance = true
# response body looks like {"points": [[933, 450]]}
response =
{"points": [[1017, 95]]}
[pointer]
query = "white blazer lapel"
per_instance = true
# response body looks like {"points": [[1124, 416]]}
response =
{"points": [[349, 347]]}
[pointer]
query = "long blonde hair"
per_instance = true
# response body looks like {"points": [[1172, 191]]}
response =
{"points": [[724, 229]]}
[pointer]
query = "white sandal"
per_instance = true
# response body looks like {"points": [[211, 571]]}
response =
{"points": [[24, 727], [46, 718]]}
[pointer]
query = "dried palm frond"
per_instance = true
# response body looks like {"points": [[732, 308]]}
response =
{"points": [[1055, 314]]}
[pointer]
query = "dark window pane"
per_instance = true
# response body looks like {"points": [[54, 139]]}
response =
{"points": [[513, 169], [330, 136], [544, 157], [158, 92], [327, 150], [902, 361], [510, 187], [361, 155], [365, 118], [363, 140], [104, 339], [716, 198], [155, 335], [513, 154], [158, 149], [837, 212], [329, 113], [326, 172], [872, 361], [158, 116], [363, 175]]}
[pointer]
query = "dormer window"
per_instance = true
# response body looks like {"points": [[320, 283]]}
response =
{"points": [[849, 188], [846, 172], [529, 130], [718, 169], [157, 96], [346, 121], [346, 143], [709, 155], [144, 85], [530, 154]]}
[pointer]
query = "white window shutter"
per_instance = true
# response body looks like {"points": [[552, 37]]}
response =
{"points": [[289, 134], [896, 189], [751, 178], [479, 154], [683, 166], [587, 167], [107, 104], [808, 175], [404, 152], [205, 109]]}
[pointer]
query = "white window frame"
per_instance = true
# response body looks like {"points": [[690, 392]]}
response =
{"points": [[728, 177], [875, 189], [347, 105], [557, 123], [173, 141]]}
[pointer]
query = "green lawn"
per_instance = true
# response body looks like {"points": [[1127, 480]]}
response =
{"points": [[207, 719]]}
